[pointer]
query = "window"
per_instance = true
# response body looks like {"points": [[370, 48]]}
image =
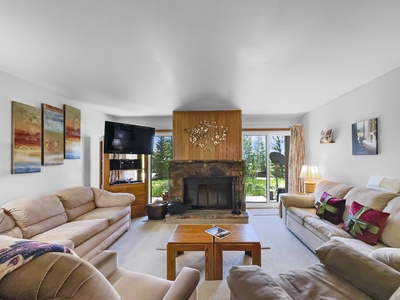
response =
{"points": [[266, 171], [162, 155]]}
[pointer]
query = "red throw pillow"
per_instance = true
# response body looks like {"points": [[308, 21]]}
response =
{"points": [[365, 223], [330, 208]]}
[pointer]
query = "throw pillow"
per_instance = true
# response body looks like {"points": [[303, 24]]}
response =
{"points": [[365, 223], [330, 208], [389, 256]]}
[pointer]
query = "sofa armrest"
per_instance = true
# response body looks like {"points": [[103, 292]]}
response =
{"points": [[103, 198], [251, 282], [298, 200], [360, 270], [184, 285], [56, 276], [106, 262]]}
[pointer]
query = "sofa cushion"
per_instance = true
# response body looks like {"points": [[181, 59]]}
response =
{"points": [[318, 282], [365, 223], [302, 213], [330, 208], [358, 245], [251, 282], [325, 229], [77, 201], [35, 215], [374, 199], [385, 184], [390, 234], [112, 214], [389, 256], [7, 225], [76, 231], [335, 189], [376, 279]]}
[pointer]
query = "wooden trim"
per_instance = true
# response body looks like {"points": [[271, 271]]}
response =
{"points": [[265, 129], [207, 111], [230, 149], [243, 129]]}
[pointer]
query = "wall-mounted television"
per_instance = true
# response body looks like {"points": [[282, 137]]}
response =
{"points": [[128, 139]]}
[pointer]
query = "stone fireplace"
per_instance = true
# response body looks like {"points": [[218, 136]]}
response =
{"points": [[209, 192], [208, 184]]}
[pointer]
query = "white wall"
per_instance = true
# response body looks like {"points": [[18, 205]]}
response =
{"points": [[380, 99], [84, 171]]}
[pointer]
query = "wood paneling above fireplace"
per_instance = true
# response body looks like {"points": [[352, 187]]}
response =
{"points": [[231, 149]]}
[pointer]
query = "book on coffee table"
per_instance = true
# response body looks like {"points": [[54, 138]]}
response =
{"points": [[218, 232]]}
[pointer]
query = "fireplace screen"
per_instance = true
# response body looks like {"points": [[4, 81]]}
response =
{"points": [[208, 192]]}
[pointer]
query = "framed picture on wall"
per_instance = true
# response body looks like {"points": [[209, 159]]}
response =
{"points": [[72, 132], [326, 136], [26, 138], [365, 137], [53, 135]]}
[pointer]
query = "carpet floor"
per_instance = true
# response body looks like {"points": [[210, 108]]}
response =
{"points": [[141, 249], [263, 211]]}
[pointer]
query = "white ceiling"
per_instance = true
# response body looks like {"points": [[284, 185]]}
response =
{"points": [[150, 57]]}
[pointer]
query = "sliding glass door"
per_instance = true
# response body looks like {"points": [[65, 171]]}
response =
{"points": [[266, 161], [162, 155]]}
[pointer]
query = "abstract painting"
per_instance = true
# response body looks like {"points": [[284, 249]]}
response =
{"points": [[26, 138], [53, 135], [72, 132], [365, 137]]}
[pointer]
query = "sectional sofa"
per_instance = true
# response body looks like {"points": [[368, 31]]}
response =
{"points": [[84, 219], [299, 215], [354, 232]]}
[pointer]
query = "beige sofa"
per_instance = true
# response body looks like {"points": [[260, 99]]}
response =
{"points": [[341, 274], [349, 268], [85, 219], [299, 215], [64, 276]]}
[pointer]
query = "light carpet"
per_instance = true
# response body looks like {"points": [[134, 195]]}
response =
{"points": [[264, 211], [137, 252]]}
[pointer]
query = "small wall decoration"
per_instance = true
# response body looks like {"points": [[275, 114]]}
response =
{"points": [[207, 135], [326, 136], [365, 137], [72, 132], [26, 138], [53, 135]]}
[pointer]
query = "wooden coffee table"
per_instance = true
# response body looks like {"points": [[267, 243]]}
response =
{"points": [[190, 238], [243, 238], [194, 238]]}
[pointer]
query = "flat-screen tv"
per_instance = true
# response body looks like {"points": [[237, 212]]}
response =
{"points": [[128, 139]]}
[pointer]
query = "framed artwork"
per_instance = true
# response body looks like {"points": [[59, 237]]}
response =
{"points": [[26, 138], [326, 136], [365, 137], [53, 135], [72, 132]]}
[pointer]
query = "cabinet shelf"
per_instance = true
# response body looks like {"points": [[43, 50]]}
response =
{"points": [[126, 173]]}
